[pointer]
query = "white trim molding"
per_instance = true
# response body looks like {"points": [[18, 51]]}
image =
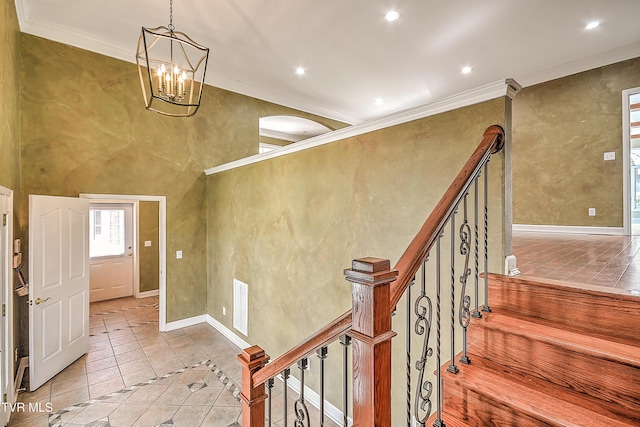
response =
{"points": [[147, 294], [228, 333], [184, 323], [508, 87], [602, 59], [569, 229], [162, 244]]}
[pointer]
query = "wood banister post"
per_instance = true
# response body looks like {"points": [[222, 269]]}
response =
{"points": [[251, 360], [371, 333]]}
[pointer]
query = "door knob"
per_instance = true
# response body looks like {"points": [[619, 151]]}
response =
{"points": [[40, 301]]}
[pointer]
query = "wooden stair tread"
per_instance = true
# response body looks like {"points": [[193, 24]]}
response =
{"points": [[553, 406], [597, 347]]}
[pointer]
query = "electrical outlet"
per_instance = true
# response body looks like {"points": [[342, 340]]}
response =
{"points": [[224, 310], [592, 211], [610, 155]]}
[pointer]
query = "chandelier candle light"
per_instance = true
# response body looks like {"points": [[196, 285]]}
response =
{"points": [[171, 68]]}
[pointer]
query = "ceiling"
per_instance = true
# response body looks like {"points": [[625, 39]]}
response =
{"points": [[351, 54]]}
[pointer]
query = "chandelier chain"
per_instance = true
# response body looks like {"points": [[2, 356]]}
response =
{"points": [[171, 27]]}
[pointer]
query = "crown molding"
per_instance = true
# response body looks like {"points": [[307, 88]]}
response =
{"points": [[495, 90], [601, 59], [58, 33], [78, 39], [279, 135]]}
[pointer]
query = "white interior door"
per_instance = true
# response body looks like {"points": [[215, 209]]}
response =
{"points": [[4, 257], [111, 250], [59, 288]]}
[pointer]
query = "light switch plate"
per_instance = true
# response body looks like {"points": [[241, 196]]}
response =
{"points": [[610, 155], [147, 243], [178, 254]]}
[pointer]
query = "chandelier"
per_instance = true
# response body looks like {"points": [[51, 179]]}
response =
{"points": [[171, 68]]}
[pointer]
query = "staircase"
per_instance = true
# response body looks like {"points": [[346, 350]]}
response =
{"points": [[549, 354]]}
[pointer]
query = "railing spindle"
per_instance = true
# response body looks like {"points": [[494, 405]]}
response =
{"points": [[408, 359], [322, 355], [438, 421], [476, 275], [345, 341], [269, 383], [285, 376], [452, 366], [486, 308], [300, 406], [465, 300]]}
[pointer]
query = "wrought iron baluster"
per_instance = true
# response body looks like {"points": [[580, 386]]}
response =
{"points": [[452, 366], [408, 345], [438, 421], [345, 340], [285, 376], [300, 406], [486, 308], [322, 355], [424, 387], [269, 400], [465, 300], [476, 313]]}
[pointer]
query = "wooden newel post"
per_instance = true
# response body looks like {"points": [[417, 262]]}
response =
{"points": [[371, 334], [253, 397]]}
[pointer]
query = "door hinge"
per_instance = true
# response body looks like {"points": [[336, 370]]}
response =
{"points": [[4, 310], [4, 219], [4, 398]]}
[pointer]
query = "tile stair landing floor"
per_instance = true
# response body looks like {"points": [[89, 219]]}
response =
{"points": [[135, 375]]}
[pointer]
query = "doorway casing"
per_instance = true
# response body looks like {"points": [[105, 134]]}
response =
{"points": [[626, 156], [162, 240]]}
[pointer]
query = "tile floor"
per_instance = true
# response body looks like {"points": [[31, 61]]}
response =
{"points": [[135, 375], [600, 260]]}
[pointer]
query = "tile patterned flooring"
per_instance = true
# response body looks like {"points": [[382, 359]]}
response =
{"points": [[135, 375], [599, 260]]}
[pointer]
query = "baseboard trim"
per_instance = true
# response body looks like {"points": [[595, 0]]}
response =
{"points": [[311, 396], [147, 294], [569, 229], [191, 321], [228, 333]]}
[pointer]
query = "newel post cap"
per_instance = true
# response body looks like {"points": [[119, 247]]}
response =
{"points": [[370, 271]]}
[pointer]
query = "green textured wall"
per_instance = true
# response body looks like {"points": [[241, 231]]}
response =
{"points": [[149, 255], [561, 130], [85, 130], [10, 99], [10, 131], [289, 226]]}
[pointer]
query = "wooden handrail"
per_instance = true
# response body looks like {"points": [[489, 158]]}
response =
{"points": [[407, 265], [416, 252], [323, 337]]}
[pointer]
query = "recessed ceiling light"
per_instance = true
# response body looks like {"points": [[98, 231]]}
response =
{"points": [[392, 15], [379, 101], [300, 71], [592, 25], [466, 70]]}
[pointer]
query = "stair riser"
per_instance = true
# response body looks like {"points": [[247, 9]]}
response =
{"points": [[615, 384], [593, 312]]}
